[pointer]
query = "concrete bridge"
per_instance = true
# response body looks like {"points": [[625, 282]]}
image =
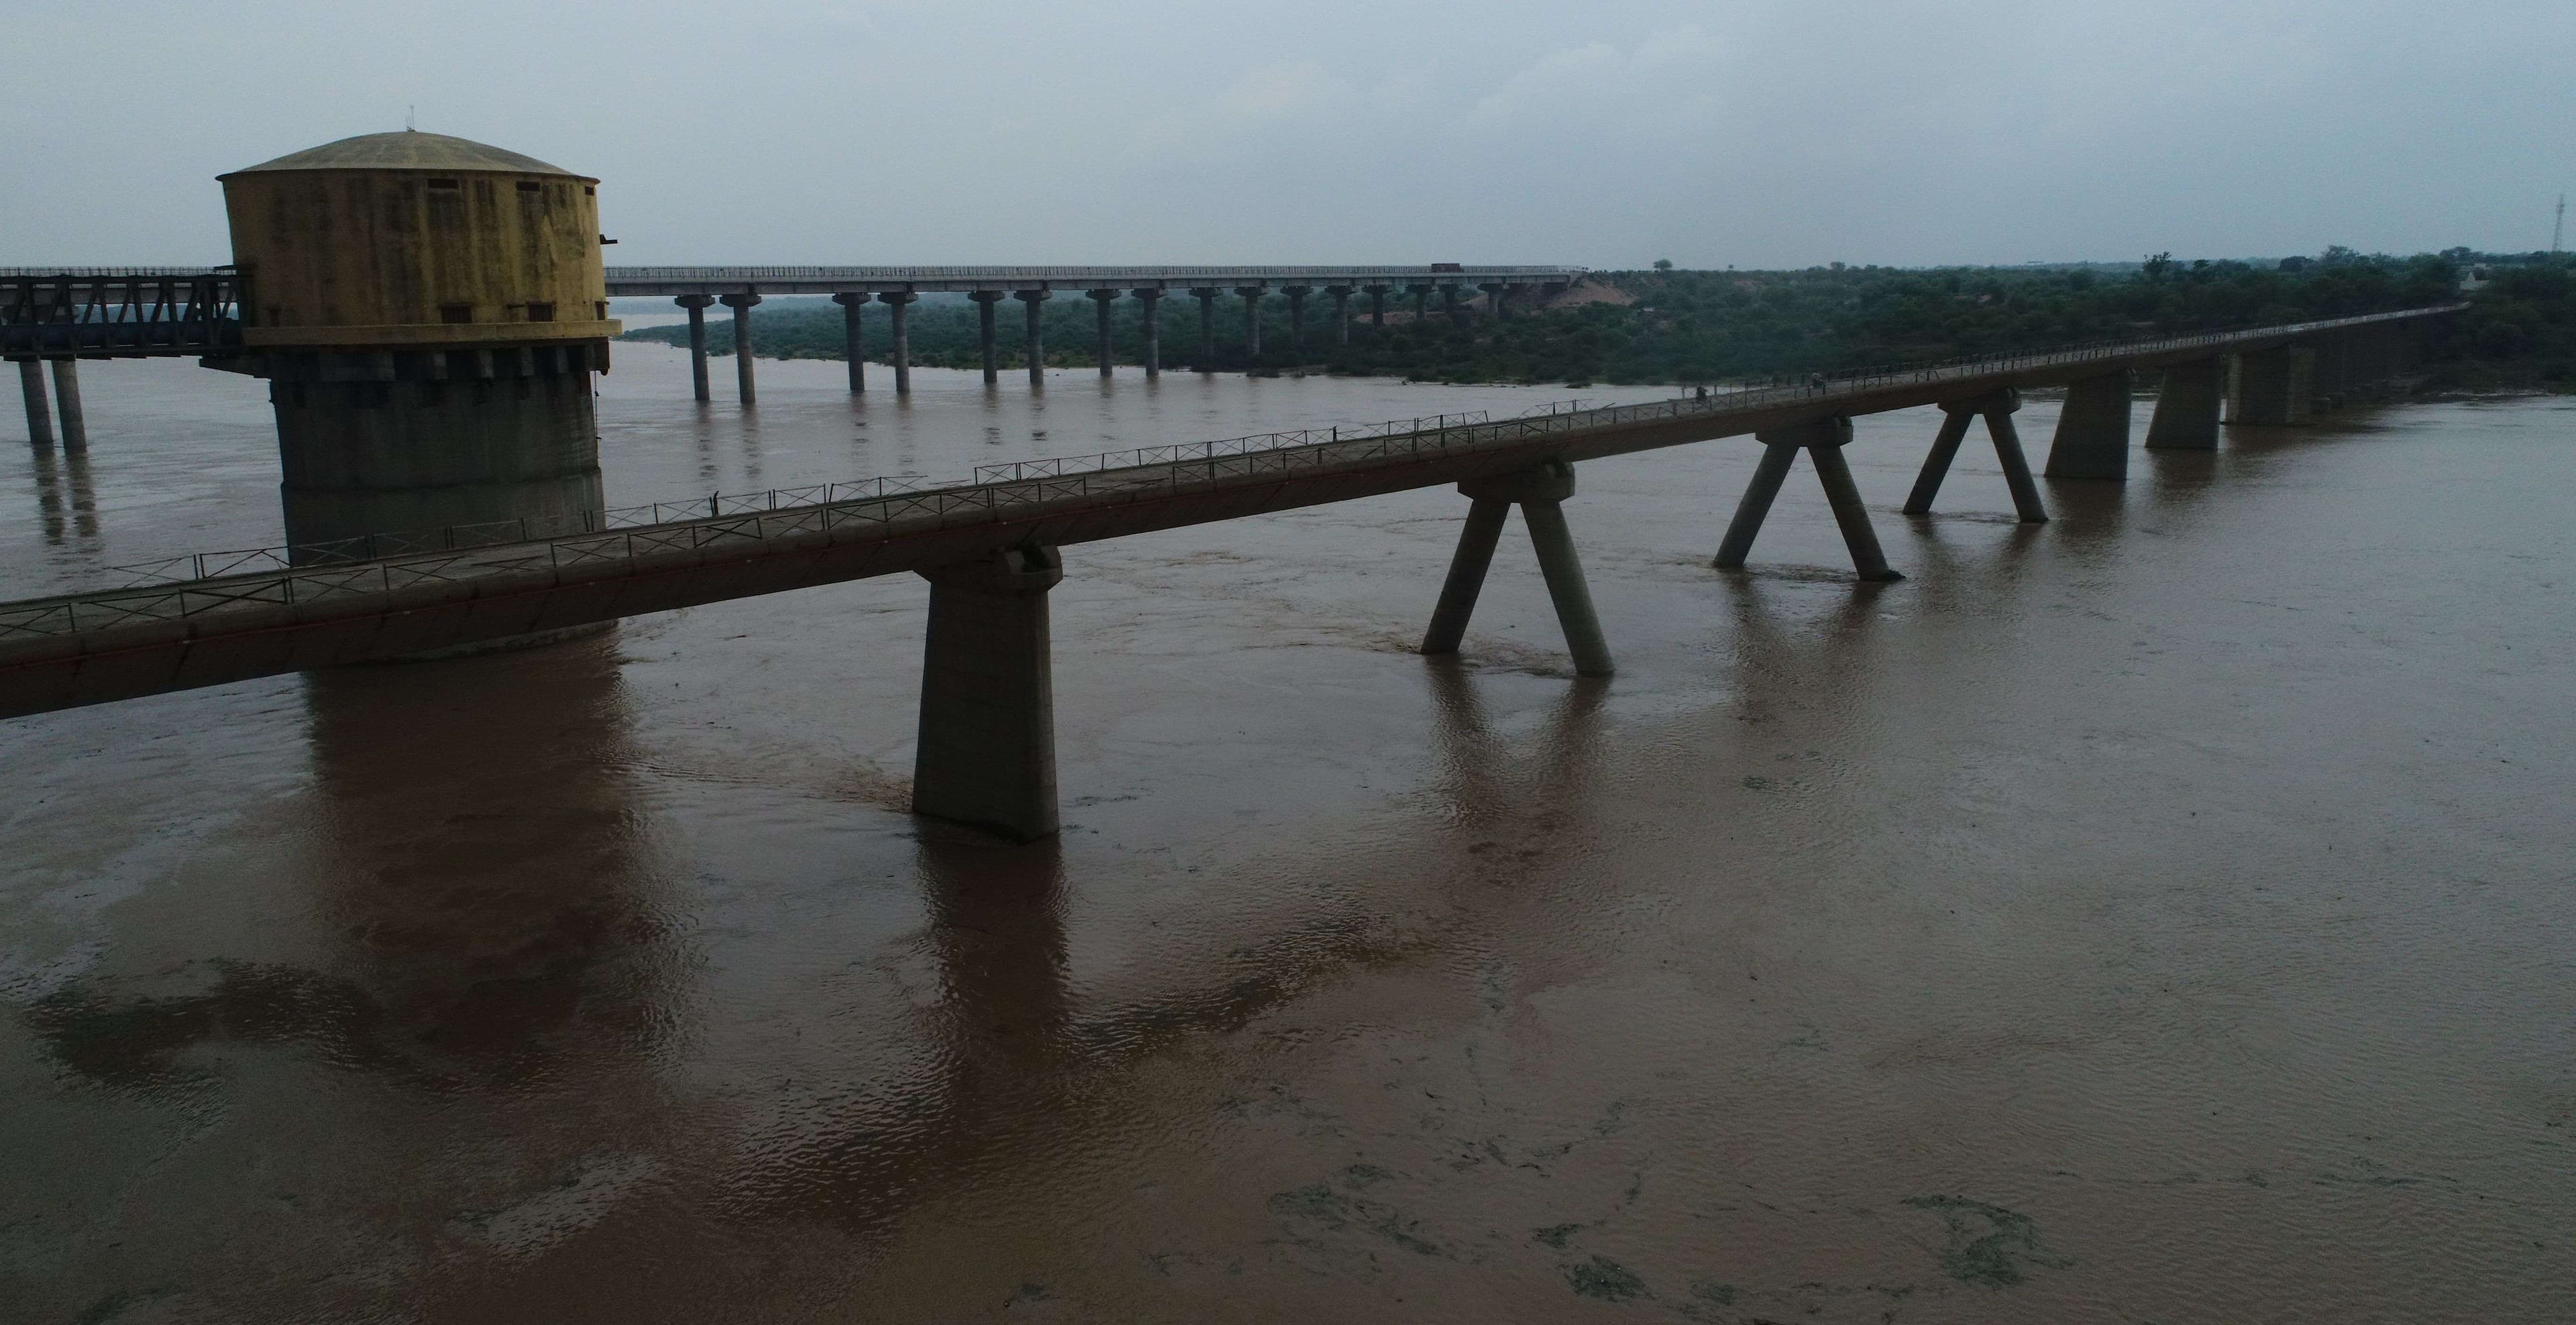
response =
{"points": [[61, 316], [989, 547]]}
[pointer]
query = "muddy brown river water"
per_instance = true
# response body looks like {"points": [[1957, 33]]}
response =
{"points": [[2165, 914]]}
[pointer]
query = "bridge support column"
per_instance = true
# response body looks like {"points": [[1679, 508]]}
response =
{"points": [[1824, 440], [854, 339], [1495, 293], [1251, 295], [1296, 316], [1152, 306], [1449, 304], [899, 308], [1538, 492], [2271, 387], [986, 755], [1341, 313], [1377, 308], [697, 306], [1036, 349], [2186, 417], [984, 301], [67, 405], [1421, 304], [741, 306], [1100, 300], [40, 410], [1997, 410], [2092, 439], [1206, 295]]}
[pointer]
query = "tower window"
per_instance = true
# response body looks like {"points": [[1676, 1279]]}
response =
{"points": [[541, 312], [456, 312], [590, 190], [529, 186], [442, 184]]}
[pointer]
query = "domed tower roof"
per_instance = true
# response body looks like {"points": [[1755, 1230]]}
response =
{"points": [[407, 149]]}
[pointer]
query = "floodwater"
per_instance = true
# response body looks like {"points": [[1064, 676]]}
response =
{"points": [[2164, 914]]}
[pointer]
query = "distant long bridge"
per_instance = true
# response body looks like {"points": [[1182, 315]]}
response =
{"points": [[989, 545]]}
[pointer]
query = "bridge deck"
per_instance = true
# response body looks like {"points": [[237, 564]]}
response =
{"points": [[180, 631]]}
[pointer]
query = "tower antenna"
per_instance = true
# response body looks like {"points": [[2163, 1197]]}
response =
{"points": [[411, 121], [2558, 228]]}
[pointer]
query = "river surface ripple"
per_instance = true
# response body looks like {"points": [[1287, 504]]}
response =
{"points": [[2161, 914]]}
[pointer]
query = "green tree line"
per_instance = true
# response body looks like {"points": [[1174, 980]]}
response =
{"points": [[1670, 326]]}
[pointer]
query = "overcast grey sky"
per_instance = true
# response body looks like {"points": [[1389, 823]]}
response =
{"points": [[1605, 133]]}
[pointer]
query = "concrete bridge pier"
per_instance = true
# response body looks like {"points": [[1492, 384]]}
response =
{"points": [[2270, 388], [2092, 439], [986, 755], [741, 306], [1377, 308], [1206, 296], [1449, 304], [1824, 440], [899, 308], [1997, 410], [1152, 306], [40, 411], [1251, 296], [697, 306], [1496, 293], [1296, 315], [1341, 313], [984, 301], [1421, 304], [854, 339], [2186, 417], [1100, 300], [1036, 348], [1539, 492], [67, 405]]}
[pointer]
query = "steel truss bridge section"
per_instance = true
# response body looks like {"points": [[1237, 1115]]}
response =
{"points": [[226, 617], [633, 281], [112, 312]]}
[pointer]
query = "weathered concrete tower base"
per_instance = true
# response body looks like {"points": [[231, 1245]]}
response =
{"points": [[460, 446], [1997, 410], [2270, 388], [2186, 417], [1823, 440], [1539, 493], [2093, 430], [987, 748]]}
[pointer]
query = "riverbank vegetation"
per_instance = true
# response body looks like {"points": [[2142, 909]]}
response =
{"points": [[1689, 327]]}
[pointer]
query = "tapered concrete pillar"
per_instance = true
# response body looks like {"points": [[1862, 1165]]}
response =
{"points": [[697, 306], [40, 409], [984, 337], [1251, 296], [1150, 304], [987, 750], [1296, 316], [2092, 439], [1207, 327], [1377, 308], [1496, 295], [854, 339], [1467, 567], [1100, 301], [2186, 417], [2269, 388], [67, 405], [1035, 300], [1823, 440], [1341, 313], [1538, 491], [1421, 304], [742, 349], [1449, 304], [1996, 409], [899, 310]]}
